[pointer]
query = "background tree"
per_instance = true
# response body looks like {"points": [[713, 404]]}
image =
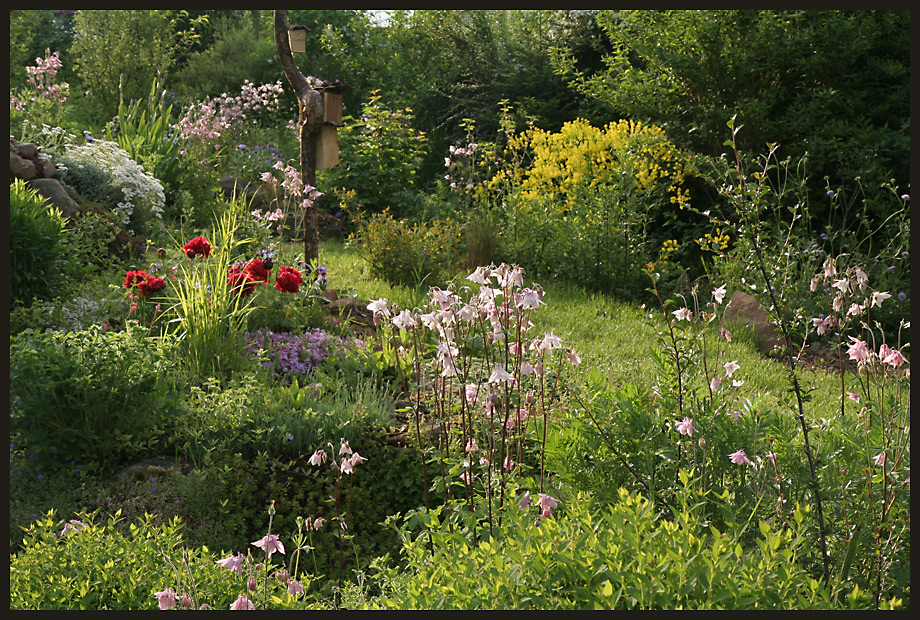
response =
{"points": [[827, 83]]}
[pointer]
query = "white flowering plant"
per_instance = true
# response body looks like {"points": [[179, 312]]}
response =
{"points": [[142, 194]]}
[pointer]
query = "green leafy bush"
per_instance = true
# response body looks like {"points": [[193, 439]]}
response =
{"points": [[402, 253], [619, 556], [36, 245], [98, 398], [101, 566], [584, 208], [380, 153]]}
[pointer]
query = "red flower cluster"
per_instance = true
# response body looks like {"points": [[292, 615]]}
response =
{"points": [[289, 279], [146, 283], [197, 246], [246, 278]]}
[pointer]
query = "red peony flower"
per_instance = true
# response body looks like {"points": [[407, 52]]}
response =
{"points": [[241, 281], [134, 275], [146, 284], [257, 270], [197, 246], [289, 279]]}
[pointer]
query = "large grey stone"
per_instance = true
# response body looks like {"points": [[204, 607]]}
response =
{"points": [[55, 194], [22, 168], [744, 309]]}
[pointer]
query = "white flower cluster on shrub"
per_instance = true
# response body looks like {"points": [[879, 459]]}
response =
{"points": [[143, 193]]}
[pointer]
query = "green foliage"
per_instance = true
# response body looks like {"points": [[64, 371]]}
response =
{"points": [[143, 129], [825, 83], [117, 54], [37, 233], [402, 253], [380, 153], [616, 556], [97, 398], [101, 566], [583, 209]]}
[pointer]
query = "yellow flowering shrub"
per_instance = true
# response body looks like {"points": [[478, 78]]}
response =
{"points": [[582, 206]]}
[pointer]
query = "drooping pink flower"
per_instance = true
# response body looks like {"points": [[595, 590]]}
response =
{"points": [[356, 459], [346, 466], [344, 448], [546, 504], [683, 314], [379, 307], [685, 427], [318, 458], [294, 587], [234, 563], [318, 523], [890, 356], [719, 294], [269, 543], [879, 459], [242, 602], [472, 446], [730, 368], [715, 384], [166, 599], [573, 357], [853, 397], [525, 500], [858, 350], [739, 458], [878, 298], [499, 374], [472, 393]]}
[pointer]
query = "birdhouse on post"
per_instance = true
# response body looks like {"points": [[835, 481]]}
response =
{"points": [[297, 38], [327, 145]]}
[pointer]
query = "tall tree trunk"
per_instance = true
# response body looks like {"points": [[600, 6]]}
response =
{"points": [[311, 124]]}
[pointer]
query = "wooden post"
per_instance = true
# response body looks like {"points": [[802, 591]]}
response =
{"points": [[311, 124]]}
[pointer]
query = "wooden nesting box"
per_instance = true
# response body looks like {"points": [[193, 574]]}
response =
{"points": [[297, 37], [327, 145]]}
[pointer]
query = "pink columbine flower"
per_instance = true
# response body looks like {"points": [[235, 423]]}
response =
{"points": [[344, 448], [404, 320], [357, 459], [234, 563], [551, 341], [379, 307], [573, 357], [853, 397], [730, 368], [719, 294], [72, 526], [346, 466], [318, 523], [525, 500], [294, 587], [685, 427], [879, 459], [858, 351], [715, 384], [499, 374], [472, 446], [270, 543], [166, 599], [878, 298], [318, 458], [890, 356], [242, 603], [546, 504], [683, 314], [739, 458], [472, 393]]}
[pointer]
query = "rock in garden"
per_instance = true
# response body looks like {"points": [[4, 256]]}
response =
{"points": [[55, 195], [744, 309]]}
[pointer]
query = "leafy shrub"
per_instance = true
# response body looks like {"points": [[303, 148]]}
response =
{"points": [[584, 206], [101, 566], [142, 197], [36, 245], [402, 253], [619, 556], [380, 153], [93, 397]]}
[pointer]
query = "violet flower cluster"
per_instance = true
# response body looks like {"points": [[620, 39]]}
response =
{"points": [[293, 353]]}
